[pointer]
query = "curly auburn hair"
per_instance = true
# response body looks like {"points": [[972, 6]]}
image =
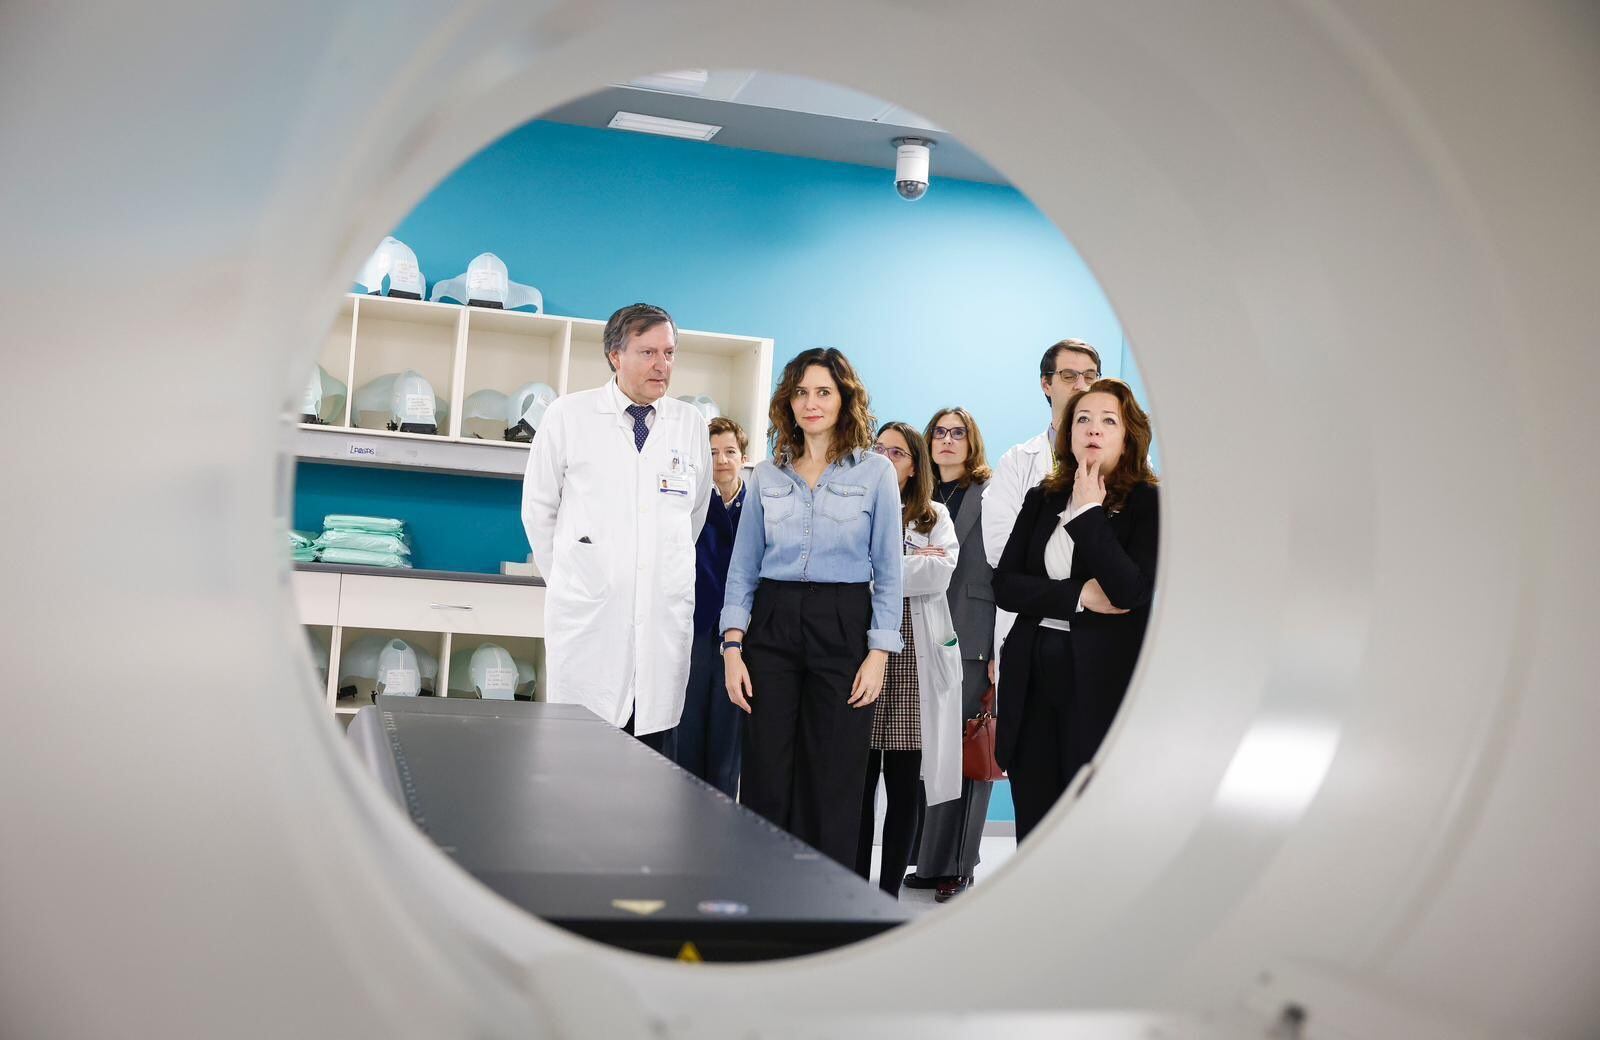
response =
{"points": [[916, 500], [1133, 465], [976, 469], [852, 431]]}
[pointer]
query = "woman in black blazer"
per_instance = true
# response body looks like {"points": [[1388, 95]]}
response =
{"points": [[1078, 571]]}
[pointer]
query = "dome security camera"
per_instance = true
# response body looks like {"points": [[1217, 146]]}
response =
{"points": [[911, 167]]}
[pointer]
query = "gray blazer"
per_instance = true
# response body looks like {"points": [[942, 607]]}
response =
{"points": [[971, 592]]}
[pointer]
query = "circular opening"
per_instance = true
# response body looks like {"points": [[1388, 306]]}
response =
{"points": [[462, 407]]}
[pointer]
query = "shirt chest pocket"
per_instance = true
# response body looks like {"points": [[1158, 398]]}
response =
{"points": [[844, 503], [777, 505]]}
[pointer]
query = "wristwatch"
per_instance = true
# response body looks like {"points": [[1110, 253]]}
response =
{"points": [[732, 644]]}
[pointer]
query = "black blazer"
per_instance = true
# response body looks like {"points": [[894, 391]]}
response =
{"points": [[1119, 551]]}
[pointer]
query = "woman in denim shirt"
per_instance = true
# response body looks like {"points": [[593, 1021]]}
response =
{"points": [[812, 610]]}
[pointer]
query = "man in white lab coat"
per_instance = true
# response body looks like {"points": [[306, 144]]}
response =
{"points": [[1066, 368], [618, 482]]}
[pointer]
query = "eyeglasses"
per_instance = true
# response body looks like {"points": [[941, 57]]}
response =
{"points": [[1089, 374], [955, 433], [894, 453]]}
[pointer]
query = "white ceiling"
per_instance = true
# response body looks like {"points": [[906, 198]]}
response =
{"points": [[789, 115]]}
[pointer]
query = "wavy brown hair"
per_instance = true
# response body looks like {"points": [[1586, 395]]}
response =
{"points": [[916, 501], [977, 469], [852, 431], [1133, 465]]}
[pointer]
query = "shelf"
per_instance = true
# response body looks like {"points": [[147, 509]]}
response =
{"points": [[390, 450], [461, 350]]}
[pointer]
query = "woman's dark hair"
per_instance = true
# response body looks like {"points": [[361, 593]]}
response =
{"points": [[852, 432], [916, 501], [1133, 465], [976, 469]]}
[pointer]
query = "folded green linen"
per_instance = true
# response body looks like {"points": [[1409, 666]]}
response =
{"points": [[366, 524], [364, 558], [378, 543]]}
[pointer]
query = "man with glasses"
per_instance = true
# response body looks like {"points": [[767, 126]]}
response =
{"points": [[1066, 368]]}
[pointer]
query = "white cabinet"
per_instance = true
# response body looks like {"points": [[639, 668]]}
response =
{"points": [[436, 616], [317, 596], [430, 605], [461, 350]]}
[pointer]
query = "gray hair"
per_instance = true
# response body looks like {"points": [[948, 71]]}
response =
{"points": [[631, 321]]}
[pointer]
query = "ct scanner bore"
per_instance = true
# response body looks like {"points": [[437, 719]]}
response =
{"points": [[1354, 770]]}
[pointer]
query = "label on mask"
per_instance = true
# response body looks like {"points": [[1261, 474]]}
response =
{"points": [[405, 277], [419, 408], [404, 681], [501, 679], [485, 285]]}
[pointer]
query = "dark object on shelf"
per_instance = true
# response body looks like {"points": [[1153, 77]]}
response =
{"points": [[495, 304]]}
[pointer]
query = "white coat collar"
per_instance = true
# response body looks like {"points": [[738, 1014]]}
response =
{"points": [[1040, 442], [612, 400]]}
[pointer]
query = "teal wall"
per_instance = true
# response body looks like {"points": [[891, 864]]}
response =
{"points": [[947, 300]]}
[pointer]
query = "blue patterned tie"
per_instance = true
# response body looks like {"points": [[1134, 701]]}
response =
{"points": [[640, 430]]}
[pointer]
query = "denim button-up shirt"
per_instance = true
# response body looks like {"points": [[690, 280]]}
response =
{"points": [[847, 530]]}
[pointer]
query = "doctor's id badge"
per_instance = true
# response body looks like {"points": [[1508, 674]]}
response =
{"points": [[670, 484]]}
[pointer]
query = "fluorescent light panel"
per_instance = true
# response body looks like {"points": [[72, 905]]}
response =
{"points": [[682, 81], [667, 127]]}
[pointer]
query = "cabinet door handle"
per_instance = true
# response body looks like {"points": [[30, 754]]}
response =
{"points": [[450, 606]]}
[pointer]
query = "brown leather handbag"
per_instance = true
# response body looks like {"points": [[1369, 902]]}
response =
{"points": [[977, 743]]}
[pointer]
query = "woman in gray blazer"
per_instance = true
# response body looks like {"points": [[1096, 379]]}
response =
{"points": [[951, 830]]}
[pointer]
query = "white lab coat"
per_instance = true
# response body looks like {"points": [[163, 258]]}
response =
{"points": [[927, 578], [619, 607], [1019, 471]]}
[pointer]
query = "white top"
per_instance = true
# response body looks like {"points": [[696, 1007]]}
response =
{"points": [[1058, 560]]}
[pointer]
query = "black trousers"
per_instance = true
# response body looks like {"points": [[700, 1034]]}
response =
{"points": [[805, 748], [709, 732], [902, 779], [1046, 755], [660, 741]]}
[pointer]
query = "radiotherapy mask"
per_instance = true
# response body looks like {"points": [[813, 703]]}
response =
{"points": [[487, 283]]}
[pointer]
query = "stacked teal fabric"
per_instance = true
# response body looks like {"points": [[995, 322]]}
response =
{"points": [[369, 541], [302, 547]]}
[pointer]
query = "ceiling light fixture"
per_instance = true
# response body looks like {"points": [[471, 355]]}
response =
{"points": [[660, 125], [681, 81]]}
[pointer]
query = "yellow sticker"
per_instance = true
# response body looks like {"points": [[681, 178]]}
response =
{"points": [[689, 954], [642, 907]]}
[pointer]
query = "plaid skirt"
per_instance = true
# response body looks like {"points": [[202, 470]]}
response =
{"points": [[897, 715]]}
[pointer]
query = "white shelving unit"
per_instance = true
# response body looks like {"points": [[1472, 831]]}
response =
{"points": [[462, 350], [438, 615]]}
